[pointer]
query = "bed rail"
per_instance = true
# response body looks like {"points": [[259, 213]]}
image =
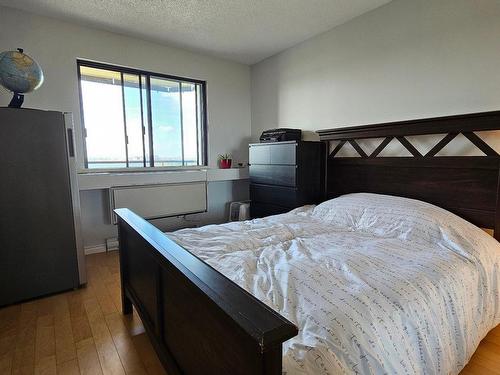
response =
{"points": [[199, 321]]}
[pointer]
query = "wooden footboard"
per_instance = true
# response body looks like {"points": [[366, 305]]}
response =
{"points": [[199, 321]]}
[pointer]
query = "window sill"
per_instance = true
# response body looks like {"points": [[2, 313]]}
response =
{"points": [[141, 170], [106, 180]]}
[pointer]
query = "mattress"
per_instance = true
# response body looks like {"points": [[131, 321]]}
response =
{"points": [[376, 284]]}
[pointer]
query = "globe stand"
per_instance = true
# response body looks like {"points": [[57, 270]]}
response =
{"points": [[17, 101]]}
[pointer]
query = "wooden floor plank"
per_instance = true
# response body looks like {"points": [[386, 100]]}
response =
{"points": [[84, 332], [148, 355], [45, 344], [46, 366], [23, 361], [114, 290], [473, 368], [78, 316], [9, 320], [65, 343], [486, 361], [98, 285], [9, 329], [129, 356], [68, 368], [88, 360], [106, 349], [6, 363]]}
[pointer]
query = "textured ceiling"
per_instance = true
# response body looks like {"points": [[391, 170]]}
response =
{"points": [[246, 31]]}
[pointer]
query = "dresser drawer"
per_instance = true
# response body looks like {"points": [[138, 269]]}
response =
{"points": [[273, 153], [277, 195], [282, 175], [258, 209], [284, 154], [260, 154]]}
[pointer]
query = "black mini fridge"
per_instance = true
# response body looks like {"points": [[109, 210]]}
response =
{"points": [[41, 248]]}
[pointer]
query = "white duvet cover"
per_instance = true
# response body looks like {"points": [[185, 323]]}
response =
{"points": [[376, 284]]}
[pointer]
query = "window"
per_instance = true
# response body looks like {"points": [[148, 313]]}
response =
{"points": [[137, 119]]}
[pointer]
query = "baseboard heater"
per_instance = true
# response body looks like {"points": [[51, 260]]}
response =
{"points": [[160, 200]]}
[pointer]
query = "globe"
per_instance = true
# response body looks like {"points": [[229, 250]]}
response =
{"points": [[19, 73]]}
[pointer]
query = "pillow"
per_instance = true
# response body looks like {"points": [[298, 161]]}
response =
{"points": [[403, 218], [343, 212]]}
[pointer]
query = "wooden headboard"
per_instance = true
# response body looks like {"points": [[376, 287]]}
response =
{"points": [[465, 185]]}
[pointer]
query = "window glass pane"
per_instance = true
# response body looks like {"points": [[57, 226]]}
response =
{"points": [[189, 122], [199, 114], [145, 104], [138, 119], [103, 118], [133, 118], [166, 119]]}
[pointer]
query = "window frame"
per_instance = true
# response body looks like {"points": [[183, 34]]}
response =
{"points": [[146, 141]]}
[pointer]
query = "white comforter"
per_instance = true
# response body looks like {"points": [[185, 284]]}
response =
{"points": [[376, 284]]}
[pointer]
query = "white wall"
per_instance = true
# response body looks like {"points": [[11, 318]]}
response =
{"points": [[407, 59], [56, 45]]}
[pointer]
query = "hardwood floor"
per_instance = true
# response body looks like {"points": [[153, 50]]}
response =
{"points": [[486, 359], [84, 332], [78, 332]]}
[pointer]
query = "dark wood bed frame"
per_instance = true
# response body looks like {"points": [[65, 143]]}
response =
{"points": [[200, 322]]}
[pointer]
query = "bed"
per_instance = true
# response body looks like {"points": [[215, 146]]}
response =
{"points": [[377, 282]]}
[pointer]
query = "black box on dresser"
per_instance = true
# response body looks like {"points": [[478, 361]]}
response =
{"points": [[285, 175]]}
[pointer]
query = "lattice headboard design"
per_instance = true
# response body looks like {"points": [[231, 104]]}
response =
{"points": [[465, 185]]}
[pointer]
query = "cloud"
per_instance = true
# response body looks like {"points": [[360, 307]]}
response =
{"points": [[166, 128]]}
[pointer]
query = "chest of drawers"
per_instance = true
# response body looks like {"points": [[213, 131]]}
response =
{"points": [[285, 175]]}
